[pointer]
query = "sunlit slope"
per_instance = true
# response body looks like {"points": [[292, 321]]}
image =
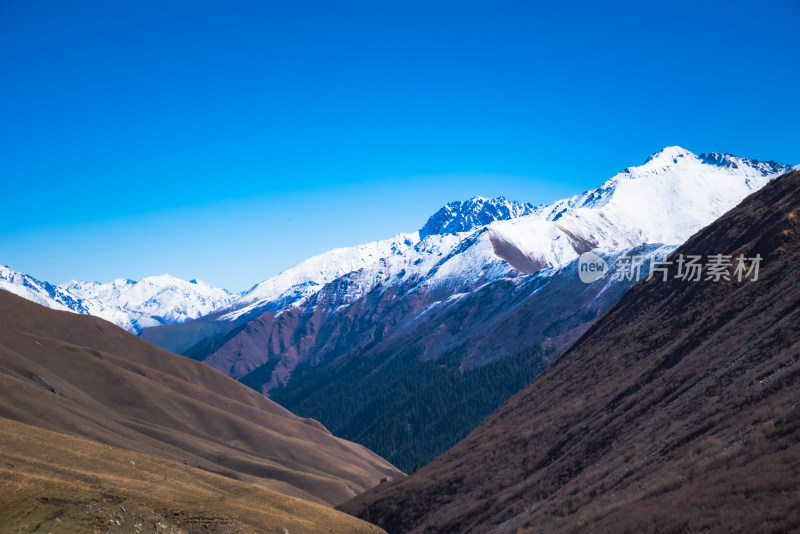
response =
{"points": [[50, 482], [83, 376]]}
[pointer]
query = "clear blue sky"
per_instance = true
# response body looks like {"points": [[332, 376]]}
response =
{"points": [[229, 140]]}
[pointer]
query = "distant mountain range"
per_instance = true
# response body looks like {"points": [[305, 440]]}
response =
{"points": [[527, 245], [134, 306], [677, 411], [487, 289]]}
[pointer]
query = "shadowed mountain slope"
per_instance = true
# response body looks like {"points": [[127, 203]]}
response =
{"points": [[83, 376], [678, 410]]}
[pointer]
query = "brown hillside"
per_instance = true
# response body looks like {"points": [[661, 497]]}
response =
{"points": [[55, 483], [85, 377]]}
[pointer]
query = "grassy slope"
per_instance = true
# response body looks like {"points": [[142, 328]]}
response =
{"points": [[50, 482], [85, 377]]}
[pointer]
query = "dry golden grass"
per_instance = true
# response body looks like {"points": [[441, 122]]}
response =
{"points": [[51, 482]]}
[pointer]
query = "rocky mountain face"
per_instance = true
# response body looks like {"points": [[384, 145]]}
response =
{"points": [[677, 410], [459, 216]]}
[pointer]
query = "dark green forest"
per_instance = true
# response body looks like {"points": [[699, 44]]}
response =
{"points": [[406, 409]]}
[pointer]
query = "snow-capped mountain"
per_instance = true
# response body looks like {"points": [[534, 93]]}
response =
{"points": [[662, 202], [40, 292], [307, 277], [153, 301], [470, 214], [673, 195]]}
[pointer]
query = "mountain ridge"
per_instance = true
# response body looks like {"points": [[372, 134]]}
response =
{"points": [[130, 304]]}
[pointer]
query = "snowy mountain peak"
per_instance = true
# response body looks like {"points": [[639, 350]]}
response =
{"points": [[153, 301], [463, 216], [78, 286], [164, 280], [675, 155], [35, 290], [669, 154]]}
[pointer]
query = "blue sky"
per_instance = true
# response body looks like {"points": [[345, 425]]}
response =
{"points": [[229, 140]]}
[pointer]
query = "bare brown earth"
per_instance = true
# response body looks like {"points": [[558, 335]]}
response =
{"points": [[82, 376], [54, 483], [678, 411]]}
